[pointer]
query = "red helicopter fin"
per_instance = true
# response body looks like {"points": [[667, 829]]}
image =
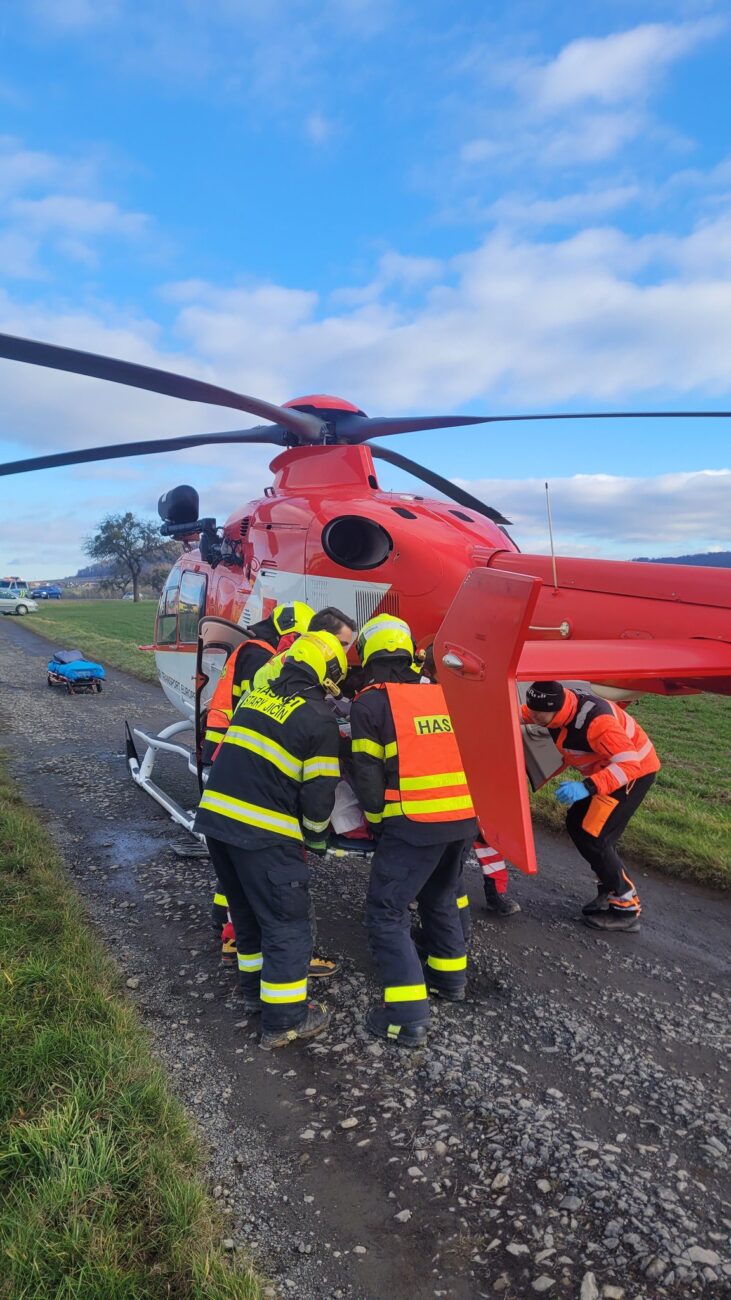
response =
{"points": [[477, 651]]}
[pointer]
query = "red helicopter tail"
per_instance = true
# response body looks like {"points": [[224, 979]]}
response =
{"points": [[482, 652]]}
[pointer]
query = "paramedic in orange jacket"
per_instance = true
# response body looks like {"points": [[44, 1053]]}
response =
{"points": [[618, 763], [408, 775]]}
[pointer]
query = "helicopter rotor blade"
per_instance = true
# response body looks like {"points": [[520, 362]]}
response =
{"points": [[307, 428], [441, 484], [361, 428], [262, 433]]}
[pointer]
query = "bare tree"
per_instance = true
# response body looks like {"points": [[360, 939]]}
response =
{"points": [[131, 544]]}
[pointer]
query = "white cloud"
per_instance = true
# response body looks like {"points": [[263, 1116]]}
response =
{"points": [[582, 107], [584, 205], [78, 216], [50, 206], [670, 514], [616, 69]]}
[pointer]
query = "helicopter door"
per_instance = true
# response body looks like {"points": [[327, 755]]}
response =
{"points": [[217, 639], [477, 650]]}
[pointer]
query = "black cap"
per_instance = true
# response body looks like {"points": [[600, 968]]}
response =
{"points": [[545, 697]]}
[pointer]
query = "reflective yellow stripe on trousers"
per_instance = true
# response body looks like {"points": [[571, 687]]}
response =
{"points": [[405, 993], [250, 961], [447, 963], [278, 993]]}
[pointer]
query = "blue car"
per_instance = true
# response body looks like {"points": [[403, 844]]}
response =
{"points": [[48, 593]]}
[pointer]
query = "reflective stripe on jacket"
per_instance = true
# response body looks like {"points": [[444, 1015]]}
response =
{"points": [[277, 768], [607, 745], [418, 775]]}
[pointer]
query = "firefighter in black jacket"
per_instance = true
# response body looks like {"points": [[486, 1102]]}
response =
{"points": [[281, 751], [408, 776]]}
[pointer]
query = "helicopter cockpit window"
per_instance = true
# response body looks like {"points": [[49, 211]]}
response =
{"points": [[166, 632], [192, 606]]}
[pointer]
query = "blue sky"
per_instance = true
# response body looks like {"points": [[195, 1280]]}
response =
{"points": [[422, 207]]}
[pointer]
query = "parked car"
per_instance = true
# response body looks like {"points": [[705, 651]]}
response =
{"points": [[47, 593], [12, 604]]}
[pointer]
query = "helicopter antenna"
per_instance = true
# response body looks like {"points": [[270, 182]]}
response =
{"points": [[550, 534]]}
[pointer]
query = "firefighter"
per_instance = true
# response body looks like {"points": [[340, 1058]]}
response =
{"points": [[281, 751], [288, 622], [619, 764], [408, 775], [491, 862], [263, 640]]}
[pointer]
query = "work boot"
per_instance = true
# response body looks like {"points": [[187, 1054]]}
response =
{"points": [[613, 921], [500, 904], [322, 968], [247, 988], [409, 1035], [448, 995], [228, 945], [598, 904], [314, 1023]]}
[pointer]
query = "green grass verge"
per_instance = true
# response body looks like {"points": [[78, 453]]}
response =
{"points": [[684, 826], [107, 630], [100, 1190]]}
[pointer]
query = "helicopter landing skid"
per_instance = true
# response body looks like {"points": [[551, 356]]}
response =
{"points": [[141, 770]]}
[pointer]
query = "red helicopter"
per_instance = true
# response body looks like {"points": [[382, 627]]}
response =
{"points": [[326, 533]]}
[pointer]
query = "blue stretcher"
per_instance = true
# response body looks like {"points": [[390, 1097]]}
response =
{"points": [[80, 676]]}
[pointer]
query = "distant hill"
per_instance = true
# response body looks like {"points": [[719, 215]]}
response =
{"points": [[707, 560]]}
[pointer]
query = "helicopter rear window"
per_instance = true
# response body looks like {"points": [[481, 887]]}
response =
{"points": [[192, 606]]}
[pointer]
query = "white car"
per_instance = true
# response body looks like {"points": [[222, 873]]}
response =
{"points": [[10, 603]]}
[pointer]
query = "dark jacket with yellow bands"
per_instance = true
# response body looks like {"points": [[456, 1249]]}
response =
{"points": [[275, 774], [376, 769]]}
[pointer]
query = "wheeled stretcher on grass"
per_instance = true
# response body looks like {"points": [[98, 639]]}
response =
{"points": [[78, 675]]}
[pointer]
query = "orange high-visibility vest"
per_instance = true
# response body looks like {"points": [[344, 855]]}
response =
{"points": [[227, 693], [432, 783]]}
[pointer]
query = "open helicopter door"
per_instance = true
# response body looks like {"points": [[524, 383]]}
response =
{"points": [[217, 637], [217, 640], [477, 650]]}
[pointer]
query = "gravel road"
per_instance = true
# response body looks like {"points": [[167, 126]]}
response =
{"points": [[565, 1134]]}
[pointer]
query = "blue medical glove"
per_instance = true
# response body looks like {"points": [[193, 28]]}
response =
{"points": [[571, 791]]}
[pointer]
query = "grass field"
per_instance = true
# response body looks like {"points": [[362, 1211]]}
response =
{"points": [[684, 828], [107, 630], [100, 1188]]}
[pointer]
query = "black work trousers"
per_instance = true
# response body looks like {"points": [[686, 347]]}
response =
{"points": [[269, 901], [463, 902], [429, 873], [595, 825]]}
